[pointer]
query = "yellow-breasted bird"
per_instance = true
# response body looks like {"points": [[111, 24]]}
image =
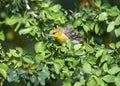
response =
{"points": [[63, 34]]}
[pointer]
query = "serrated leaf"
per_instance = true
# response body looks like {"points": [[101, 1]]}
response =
{"points": [[111, 26], [109, 78], [99, 53], [117, 21]]}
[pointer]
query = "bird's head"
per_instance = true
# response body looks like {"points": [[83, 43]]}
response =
{"points": [[55, 33], [58, 35]]}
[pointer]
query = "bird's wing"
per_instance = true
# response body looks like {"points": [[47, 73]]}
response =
{"points": [[72, 34]]}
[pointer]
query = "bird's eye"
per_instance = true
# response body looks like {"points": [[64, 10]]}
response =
{"points": [[54, 33]]}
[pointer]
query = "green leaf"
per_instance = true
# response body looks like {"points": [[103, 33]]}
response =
{"points": [[117, 32], [39, 47], [114, 11], [4, 66], [25, 30], [28, 60], [112, 45], [19, 63], [3, 72], [118, 45], [111, 26], [43, 75], [77, 46], [96, 28], [99, 53], [2, 36], [86, 28], [57, 68], [55, 8], [77, 23], [104, 58], [102, 16], [105, 67], [115, 69], [117, 21], [100, 82], [109, 78], [117, 81], [13, 20], [87, 67], [91, 82], [40, 57]]}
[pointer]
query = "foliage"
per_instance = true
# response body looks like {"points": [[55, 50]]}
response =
{"points": [[75, 65]]}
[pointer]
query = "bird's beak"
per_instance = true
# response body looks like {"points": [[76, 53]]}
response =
{"points": [[49, 35]]}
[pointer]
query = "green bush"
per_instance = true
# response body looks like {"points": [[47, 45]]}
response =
{"points": [[28, 55]]}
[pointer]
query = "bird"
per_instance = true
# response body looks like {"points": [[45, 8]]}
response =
{"points": [[62, 34]]}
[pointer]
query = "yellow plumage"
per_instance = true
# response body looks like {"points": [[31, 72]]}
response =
{"points": [[63, 34]]}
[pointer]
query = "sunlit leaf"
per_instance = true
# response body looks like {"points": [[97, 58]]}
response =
{"points": [[3, 72], [111, 26], [25, 30], [117, 32], [115, 69], [117, 21], [103, 16], [87, 67], [96, 28], [109, 78], [28, 60], [2, 36], [117, 81], [13, 20], [113, 11], [99, 53], [118, 45], [39, 47], [19, 63], [112, 45]]}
